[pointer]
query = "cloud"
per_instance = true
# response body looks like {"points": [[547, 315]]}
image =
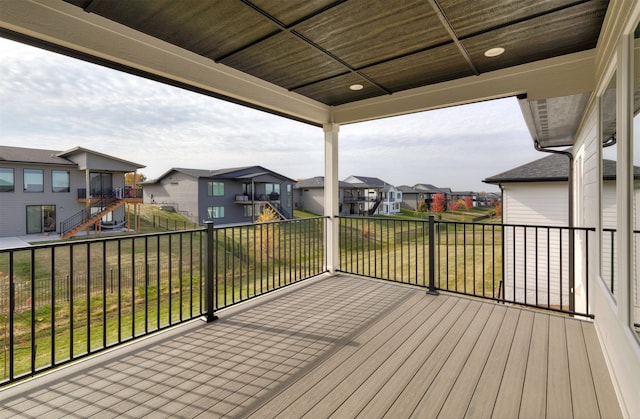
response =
{"points": [[51, 101]]}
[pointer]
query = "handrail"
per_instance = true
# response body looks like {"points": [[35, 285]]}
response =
{"points": [[83, 216]]}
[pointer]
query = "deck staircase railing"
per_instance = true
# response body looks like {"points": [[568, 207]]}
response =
{"points": [[375, 206], [83, 218]]}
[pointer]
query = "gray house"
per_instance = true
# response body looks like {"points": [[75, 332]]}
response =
{"points": [[309, 195], [52, 191], [226, 196], [410, 196]]}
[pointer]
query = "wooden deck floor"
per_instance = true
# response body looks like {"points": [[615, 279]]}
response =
{"points": [[341, 347]]}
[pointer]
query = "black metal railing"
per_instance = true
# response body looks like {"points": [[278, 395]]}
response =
{"points": [[62, 301], [519, 264], [115, 193]]}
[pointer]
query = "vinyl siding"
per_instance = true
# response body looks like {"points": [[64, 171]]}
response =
{"points": [[178, 190], [13, 212], [534, 268]]}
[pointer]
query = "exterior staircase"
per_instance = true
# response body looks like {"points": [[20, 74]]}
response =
{"points": [[276, 208], [81, 221], [375, 206]]}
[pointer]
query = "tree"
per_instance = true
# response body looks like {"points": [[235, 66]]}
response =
{"points": [[267, 232], [468, 202], [128, 178], [438, 203], [499, 209], [422, 206], [453, 205]]}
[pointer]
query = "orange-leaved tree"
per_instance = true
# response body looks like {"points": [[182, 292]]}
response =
{"points": [[438, 203], [468, 202]]}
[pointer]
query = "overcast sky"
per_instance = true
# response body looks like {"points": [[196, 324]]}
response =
{"points": [[55, 102]]}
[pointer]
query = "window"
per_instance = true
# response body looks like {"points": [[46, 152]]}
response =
{"points": [[101, 184], [6, 180], [215, 212], [289, 196], [272, 190], [215, 189], [60, 181], [33, 180], [41, 219]]}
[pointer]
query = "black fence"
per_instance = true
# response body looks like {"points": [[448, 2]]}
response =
{"points": [[519, 264], [60, 302]]}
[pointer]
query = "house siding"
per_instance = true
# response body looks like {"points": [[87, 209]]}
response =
{"points": [[312, 200], [178, 190], [13, 205], [542, 277]]}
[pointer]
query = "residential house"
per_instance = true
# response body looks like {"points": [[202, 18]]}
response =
{"points": [[488, 199], [226, 196], [371, 195], [309, 195], [64, 192], [429, 191], [457, 195], [410, 197]]}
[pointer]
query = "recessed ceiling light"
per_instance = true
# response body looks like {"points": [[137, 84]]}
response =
{"points": [[356, 87], [494, 52]]}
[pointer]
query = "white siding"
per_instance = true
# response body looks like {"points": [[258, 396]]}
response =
{"points": [[535, 261]]}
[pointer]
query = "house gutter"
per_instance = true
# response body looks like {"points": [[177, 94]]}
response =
{"points": [[569, 155]]}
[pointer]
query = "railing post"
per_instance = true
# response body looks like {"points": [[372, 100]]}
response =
{"points": [[209, 316], [432, 256]]}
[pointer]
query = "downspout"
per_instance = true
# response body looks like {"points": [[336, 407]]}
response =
{"points": [[569, 155]]}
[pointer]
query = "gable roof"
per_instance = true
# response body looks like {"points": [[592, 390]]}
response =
{"points": [[33, 155], [552, 168], [405, 189], [52, 157], [369, 181], [318, 182], [79, 150], [427, 187], [237, 173]]}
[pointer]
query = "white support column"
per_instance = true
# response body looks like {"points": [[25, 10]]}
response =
{"points": [[331, 204]]}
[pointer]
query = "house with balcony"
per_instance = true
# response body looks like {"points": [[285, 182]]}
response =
{"points": [[370, 196], [315, 336], [61, 192], [225, 196]]}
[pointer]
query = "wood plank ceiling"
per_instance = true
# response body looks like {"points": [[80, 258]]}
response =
{"points": [[319, 48]]}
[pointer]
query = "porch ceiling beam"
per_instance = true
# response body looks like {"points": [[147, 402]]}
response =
{"points": [[554, 77], [60, 26]]}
